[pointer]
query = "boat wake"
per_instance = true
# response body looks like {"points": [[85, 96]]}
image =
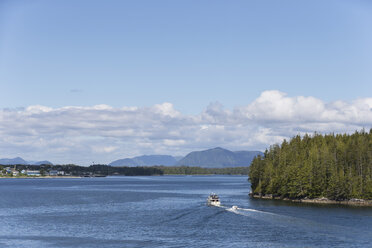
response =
{"points": [[244, 211], [287, 221], [177, 217], [214, 201]]}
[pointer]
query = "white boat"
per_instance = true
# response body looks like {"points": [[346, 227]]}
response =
{"points": [[213, 200], [234, 208]]}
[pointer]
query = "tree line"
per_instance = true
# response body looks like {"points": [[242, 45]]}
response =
{"points": [[96, 169], [106, 170], [338, 167]]}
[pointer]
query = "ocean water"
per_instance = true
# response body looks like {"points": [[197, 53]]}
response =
{"points": [[167, 211]]}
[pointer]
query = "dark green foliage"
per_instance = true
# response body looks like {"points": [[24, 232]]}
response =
{"points": [[107, 170], [338, 167]]}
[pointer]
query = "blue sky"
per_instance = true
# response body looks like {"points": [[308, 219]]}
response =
{"points": [[191, 54]]}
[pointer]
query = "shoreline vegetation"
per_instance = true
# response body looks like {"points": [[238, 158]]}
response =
{"points": [[31, 177], [322, 169], [97, 170], [321, 200]]}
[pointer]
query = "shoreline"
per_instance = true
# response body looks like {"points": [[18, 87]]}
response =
{"points": [[40, 177], [321, 201], [8, 177]]}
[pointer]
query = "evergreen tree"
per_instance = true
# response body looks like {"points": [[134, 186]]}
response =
{"points": [[338, 167]]}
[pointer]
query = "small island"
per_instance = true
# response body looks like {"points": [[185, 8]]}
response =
{"points": [[324, 169]]}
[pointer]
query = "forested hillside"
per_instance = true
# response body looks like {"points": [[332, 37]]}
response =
{"points": [[338, 167]]}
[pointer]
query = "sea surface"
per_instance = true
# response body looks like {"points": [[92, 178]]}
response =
{"points": [[167, 211]]}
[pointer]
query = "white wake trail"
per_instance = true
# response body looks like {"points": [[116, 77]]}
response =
{"points": [[239, 210], [254, 210], [252, 213]]}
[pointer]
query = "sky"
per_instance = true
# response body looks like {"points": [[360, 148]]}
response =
{"points": [[84, 81]]}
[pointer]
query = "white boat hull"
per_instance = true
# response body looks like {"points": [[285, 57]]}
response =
{"points": [[217, 204]]}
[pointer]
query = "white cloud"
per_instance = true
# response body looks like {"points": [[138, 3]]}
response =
{"points": [[170, 142], [103, 133], [104, 149]]}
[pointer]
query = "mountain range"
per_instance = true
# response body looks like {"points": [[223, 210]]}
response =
{"points": [[219, 158], [19, 160], [213, 158], [146, 160]]}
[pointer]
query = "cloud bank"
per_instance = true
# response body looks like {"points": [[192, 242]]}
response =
{"points": [[102, 133]]}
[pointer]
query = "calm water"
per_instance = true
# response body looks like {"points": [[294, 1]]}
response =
{"points": [[167, 211]]}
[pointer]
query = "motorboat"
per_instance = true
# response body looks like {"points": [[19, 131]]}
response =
{"points": [[213, 200]]}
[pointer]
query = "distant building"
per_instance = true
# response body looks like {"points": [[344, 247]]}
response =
{"points": [[15, 172], [11, 171], [33, 173], [53, 173], [56, 173]]}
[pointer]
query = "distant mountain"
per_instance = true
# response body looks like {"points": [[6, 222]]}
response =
{"points": [[212, 158], [41, 162], [19, 160], [9, 161], [166, 160], [124, 162], [219, 158], [178, 158], [245, 157], [146, 160]]}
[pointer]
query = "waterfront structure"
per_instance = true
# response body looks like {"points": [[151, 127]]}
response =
{"points": [[33, 173], [53, 173], [14, 172]]}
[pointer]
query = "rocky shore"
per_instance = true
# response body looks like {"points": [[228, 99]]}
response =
{"points": [[322, 200]]}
